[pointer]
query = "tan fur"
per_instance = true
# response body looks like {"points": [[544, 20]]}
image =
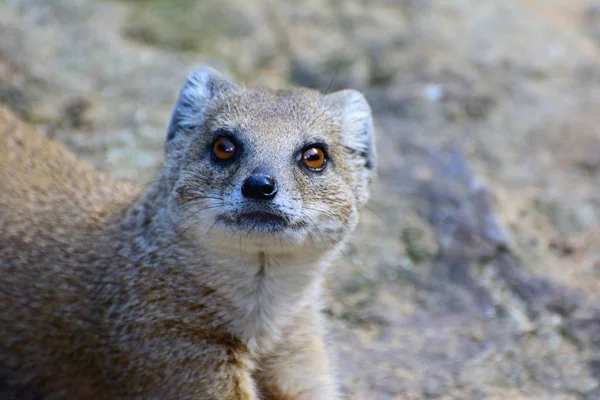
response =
{"points": [[108, 291]]}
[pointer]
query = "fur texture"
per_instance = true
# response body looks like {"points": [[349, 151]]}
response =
{"points": [[180, 291]]}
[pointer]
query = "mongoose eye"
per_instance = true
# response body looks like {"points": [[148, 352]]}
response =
{"points": [[314, 158], [223, 148]]}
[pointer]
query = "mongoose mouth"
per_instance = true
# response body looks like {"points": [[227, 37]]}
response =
{"points": [[260, 221]]}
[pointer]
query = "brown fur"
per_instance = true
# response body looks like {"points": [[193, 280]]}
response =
{"points": [[110, 292]]}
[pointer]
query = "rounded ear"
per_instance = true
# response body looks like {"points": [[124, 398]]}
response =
{"points": [[357, 123], [200, 88]]}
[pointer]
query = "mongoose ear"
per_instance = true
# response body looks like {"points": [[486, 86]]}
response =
{"points": [[356, 120], [199, 89]]}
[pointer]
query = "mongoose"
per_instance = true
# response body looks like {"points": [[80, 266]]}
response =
{"points": [[203, 285]]}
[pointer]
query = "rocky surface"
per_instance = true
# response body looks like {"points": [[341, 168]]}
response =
{"points": [[475, 272]]}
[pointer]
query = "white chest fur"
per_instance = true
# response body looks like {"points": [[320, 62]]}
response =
{"points": [[267, 292]]}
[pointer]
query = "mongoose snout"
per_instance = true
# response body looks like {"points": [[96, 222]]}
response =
{"points": [[261, 185]]}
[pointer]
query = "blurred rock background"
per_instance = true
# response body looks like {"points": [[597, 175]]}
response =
{"points": [[475, 273]]}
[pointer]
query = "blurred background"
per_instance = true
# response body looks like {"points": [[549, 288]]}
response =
{"points": [[475, 272]]}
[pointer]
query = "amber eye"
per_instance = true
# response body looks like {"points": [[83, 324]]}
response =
{"points": [[314, 158], [223, 149]]}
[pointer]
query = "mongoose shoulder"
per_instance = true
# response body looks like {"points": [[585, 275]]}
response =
{"points": [[203, 285]]}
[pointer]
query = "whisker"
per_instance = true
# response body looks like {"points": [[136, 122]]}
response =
{"points": [[316, 119], [356, 267], [324, 112], [316, 228], [312, 241], [210, 207], [217, 220], [204, 197], [241, 252], [337, 68], [274, 260], [160, 179], [385, 223]]}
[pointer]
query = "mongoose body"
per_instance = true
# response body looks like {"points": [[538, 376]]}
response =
{"points": [[205, 284]]}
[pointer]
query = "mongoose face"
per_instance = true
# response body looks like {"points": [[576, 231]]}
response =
{"points": [[267, 170]]}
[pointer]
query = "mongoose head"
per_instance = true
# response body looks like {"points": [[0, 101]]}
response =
{"points": [[272, 170]]}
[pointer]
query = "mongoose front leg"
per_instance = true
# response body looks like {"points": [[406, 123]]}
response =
{"points": [[178, 366], [298, 368], [223, 384]]}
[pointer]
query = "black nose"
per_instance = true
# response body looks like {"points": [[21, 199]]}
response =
{"points": [[260, 186]]}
